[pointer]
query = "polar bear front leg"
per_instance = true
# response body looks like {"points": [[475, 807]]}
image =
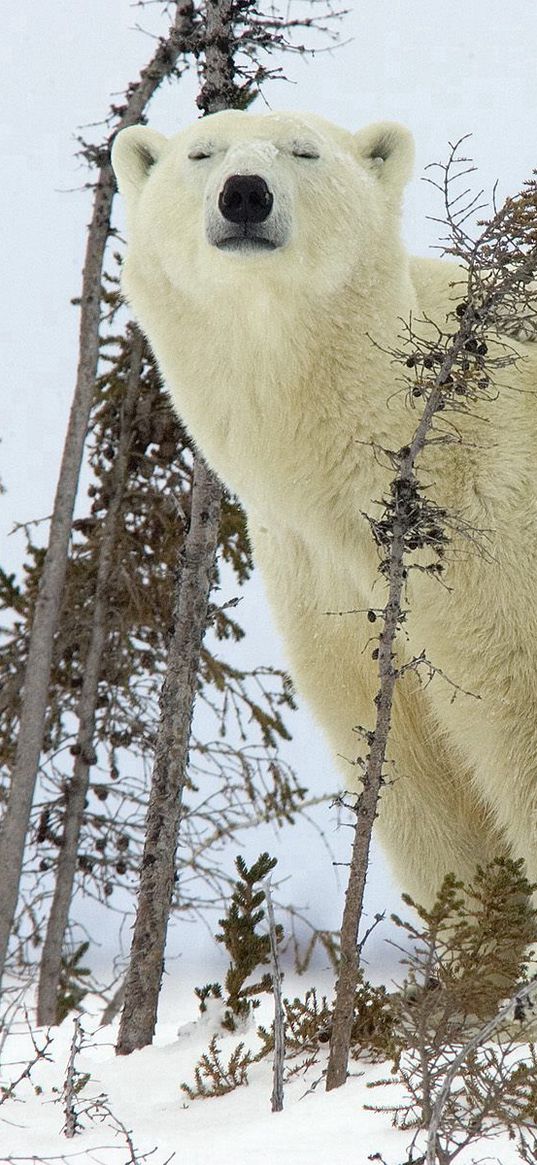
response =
{"points": [[431, 821]]}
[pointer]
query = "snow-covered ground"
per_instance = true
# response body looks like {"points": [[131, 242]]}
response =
{"points": [[142, 1092]]}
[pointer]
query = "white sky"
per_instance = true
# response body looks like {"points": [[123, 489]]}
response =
{"points": [[443, 69]]}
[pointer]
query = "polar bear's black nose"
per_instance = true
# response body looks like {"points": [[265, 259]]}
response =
{"points": [[245, 198]]}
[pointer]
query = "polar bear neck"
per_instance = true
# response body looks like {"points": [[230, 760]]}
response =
{"points": [[292, 367]]}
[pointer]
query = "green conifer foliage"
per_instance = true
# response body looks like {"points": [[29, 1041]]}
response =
{"points": [[247, 949], [464, 1073], [470, 947], [73, 985], [213, 1077]]}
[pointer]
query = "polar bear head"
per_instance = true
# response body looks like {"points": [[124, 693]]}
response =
{"points": [[281, 200]]}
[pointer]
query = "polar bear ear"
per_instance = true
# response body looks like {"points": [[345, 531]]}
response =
{"points": [[388, 148], [134, 153]]}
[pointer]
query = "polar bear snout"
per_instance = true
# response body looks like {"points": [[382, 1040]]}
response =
{"points": [[245, 198], [246, 215]]}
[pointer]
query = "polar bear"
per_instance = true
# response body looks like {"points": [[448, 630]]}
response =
{"points": [[266, 267]]}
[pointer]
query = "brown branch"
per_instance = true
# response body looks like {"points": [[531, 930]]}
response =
{"points": [[526, 995]]}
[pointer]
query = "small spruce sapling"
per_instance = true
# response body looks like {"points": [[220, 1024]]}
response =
{"points": [[460, 1085], [247, 949], [470, 947], [73, 984], [213, 1077]]}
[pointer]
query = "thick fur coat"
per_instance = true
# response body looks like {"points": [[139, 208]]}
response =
{"points": [[272, 305]]}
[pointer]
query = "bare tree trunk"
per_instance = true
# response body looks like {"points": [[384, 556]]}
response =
{"points": [[77, 789], [403, 514], [144, 977], [157, 877], [72, 1124], [30, 740], [278, 1065], [218, 91], [366, 812]]}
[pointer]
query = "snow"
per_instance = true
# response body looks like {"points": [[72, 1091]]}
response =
{"points": [[143, 1092], [444, 70]]}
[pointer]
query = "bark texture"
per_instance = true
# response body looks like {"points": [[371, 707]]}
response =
{"points": [[278, 1064], [366, 812], [30, 740], [76, 792], [218, 90], [144, 976], [367, 804]]}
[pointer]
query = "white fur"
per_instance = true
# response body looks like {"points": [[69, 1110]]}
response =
{"points": [[270, 361]]}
